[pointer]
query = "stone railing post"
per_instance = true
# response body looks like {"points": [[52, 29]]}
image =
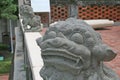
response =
{"points": [[27, 53]]}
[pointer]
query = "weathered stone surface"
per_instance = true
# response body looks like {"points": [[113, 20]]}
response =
{"points": [[19, 73], [72, 50], [31, 22]]}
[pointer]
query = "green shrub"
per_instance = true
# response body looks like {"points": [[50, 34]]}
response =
{"points": [[3, 46], [5, 67]]}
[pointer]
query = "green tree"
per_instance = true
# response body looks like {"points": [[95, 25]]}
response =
{"points": [[8, 9]]}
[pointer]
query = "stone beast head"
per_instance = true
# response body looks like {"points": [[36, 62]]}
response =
{"points": [[29, 18], [72, 50]]}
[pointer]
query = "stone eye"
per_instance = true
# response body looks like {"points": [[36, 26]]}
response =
{"points": [[52, 34], [77, 37]]}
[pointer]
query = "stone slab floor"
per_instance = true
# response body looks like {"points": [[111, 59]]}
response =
{"points": [[111, 36]]}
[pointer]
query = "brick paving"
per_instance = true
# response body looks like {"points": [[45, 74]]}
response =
{"points": [[111, 36], [4, 77]]}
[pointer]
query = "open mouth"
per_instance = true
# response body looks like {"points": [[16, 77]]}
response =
{"points": [[62, 59]]}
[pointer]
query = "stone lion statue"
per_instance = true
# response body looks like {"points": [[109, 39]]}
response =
{"points": [[29, 18], [72, 50]]}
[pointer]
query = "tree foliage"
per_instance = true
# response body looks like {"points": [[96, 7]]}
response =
{"points": [[8, 9]]}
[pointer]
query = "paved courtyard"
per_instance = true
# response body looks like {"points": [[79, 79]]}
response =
{"points": [[111, 36]]}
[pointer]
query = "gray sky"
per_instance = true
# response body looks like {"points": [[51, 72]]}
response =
{"points": [[40, 5]]}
